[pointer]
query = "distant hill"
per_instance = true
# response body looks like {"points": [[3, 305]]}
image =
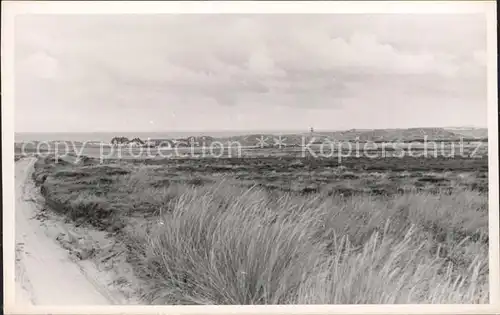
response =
{"points": [[375, 135], [363, 135], [410, 134], [470, 132]]}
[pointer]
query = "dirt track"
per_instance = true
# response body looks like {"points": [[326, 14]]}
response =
{"points": [[45, 272]]}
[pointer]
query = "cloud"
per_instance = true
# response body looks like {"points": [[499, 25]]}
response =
{"points": [[294, 61], [39, 66]]}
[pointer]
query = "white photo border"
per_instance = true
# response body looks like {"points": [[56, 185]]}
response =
{"points": [[12, 8]]}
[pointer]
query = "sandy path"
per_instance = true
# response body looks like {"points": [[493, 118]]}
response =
{"points": [[45, 274]]}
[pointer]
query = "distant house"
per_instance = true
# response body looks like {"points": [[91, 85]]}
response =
{"points": [[136, 142], [150, 143], [192, 141], [161, 143], [120, 141], [206, 140], [189, 141]]}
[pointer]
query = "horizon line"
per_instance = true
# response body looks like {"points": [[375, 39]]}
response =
{"points": [[255, 130]]}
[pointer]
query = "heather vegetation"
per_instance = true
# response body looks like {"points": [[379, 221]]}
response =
{"points": [[287, 230]]}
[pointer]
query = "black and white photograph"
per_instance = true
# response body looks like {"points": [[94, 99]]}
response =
{"points": [[249, 158]]}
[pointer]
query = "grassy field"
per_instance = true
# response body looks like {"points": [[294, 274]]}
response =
{"points": [[285, 230], [238, 148]]}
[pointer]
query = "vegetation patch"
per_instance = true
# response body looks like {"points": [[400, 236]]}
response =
{"points": [[250, 231]]}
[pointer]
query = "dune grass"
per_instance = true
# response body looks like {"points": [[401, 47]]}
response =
{"points": [[224, 246], [216, 243]]}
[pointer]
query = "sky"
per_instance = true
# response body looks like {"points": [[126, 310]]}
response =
{"points": [[164, 72]]}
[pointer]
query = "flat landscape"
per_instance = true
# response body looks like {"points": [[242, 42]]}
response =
{"points": [[273, 227], [256, 157]]}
